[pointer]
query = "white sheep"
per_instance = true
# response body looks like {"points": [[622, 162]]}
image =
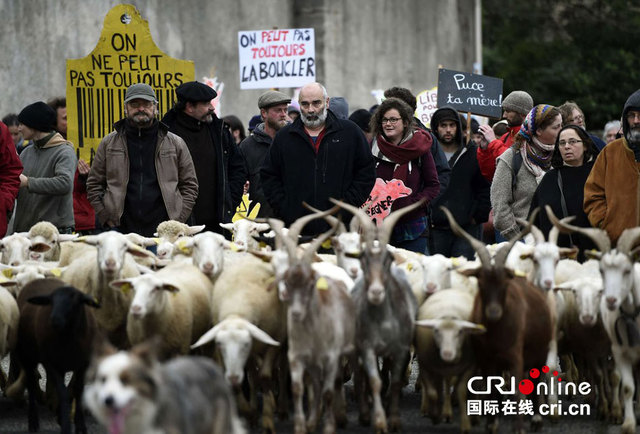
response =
{"points": [[207, 252], [17, 247], [243, 231], [47, 233], [29, 271], [9, 317], [168, 232], [443, 351], [93, 272], [250, 322], [172, 303]]}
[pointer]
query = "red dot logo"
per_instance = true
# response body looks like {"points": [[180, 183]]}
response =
{"points": [[545, 369], [525, 387], [534, 373]]}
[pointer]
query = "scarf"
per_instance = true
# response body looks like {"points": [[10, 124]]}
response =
{"points": [[414, 145], [537, 157]]}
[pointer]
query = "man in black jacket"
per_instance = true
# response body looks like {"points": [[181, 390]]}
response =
{"points": [[316, 157], [468, 194], [218, 162], [273, 110]]}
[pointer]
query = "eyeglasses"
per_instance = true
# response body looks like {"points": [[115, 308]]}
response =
{"points": [[578, 118], [137, 104], [571, 142], [392, 121]]}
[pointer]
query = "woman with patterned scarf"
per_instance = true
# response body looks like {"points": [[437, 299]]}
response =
{"points": [[528, 160], [405, 172]]}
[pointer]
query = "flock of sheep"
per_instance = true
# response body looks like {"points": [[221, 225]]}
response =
{"points": [[271, 315]]}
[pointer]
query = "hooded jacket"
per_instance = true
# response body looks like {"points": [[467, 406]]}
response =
{"points": [[254, 148], [49, 194], [230, 170], [488, 158], [468, 194], [612, 190], [343, 168], [109, 175]]}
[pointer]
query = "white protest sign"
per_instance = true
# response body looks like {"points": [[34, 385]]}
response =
{"points": [[427, 104], [276, 58]]}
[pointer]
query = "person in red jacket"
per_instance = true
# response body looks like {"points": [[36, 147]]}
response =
{"points": [[10, 170], [514, 109]]}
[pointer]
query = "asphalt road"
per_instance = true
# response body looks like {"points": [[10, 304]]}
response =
{"points": [[13, 419]]}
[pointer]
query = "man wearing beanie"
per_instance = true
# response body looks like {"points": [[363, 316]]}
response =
{"points": [[273, 110], [142, 174], [514, 109], [218, 163], [611, 191], [46, 184], [468, 194]]}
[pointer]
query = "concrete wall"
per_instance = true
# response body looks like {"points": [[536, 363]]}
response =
{"points": [[361, 45]]}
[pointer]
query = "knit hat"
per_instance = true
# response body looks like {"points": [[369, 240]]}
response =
{"points": [[271, 98], [194, 91], [294, 107], [518, 101], [38, 116], [141, 91], [361, 118], [339, 106], [533, 120], [254, 122]]}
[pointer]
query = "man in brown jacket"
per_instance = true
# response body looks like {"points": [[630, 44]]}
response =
{"points": [[142, 174], [611, 193]]}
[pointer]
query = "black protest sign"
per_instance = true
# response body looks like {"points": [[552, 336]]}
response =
{"points": [[478, 94]]}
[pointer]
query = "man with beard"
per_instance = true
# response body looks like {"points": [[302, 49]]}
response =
{"points": [[142, 174], [611, 191], [273, 110], [514, 109], [218, 163], [315, 158], [468, 194]]}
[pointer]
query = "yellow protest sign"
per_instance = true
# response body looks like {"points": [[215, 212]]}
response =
{"points": [[96, 84]]}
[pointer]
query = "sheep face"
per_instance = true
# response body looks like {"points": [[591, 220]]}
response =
{"points": [[150, 296], [588, 292], [436, 272], [376, 263], [492, 284], [348, 248], [112, 247], [15, 249], [618, 278], [66, 306], [300, 283], [449, 335], [207, 252], [243, 231], [545, 257], [119, 386]]}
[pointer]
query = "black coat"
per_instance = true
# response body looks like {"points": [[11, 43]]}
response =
{"points": [[343, 168], [254, 149], [230, 170], [548, 193]]}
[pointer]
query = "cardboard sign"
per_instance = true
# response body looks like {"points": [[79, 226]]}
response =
{"points": [[96, 85], [382, 196], [427, 104], [276, 58], [478, 94]]}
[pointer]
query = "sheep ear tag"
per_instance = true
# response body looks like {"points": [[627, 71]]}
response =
{"points": [[410, 266], [8, 273], [181, 244], [125, 288], [327, 244], [233, 246], [56, 272], [322, 284], [520, 273]]}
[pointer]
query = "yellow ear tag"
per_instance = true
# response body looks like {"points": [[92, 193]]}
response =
{"points": [[410, 266], [520, 273], [56, 272], [181, 244], [233, 247], [156, 240], [262, 244], [322, 284], [125, 288], [8, 273], [327, 244], [455, 262]]}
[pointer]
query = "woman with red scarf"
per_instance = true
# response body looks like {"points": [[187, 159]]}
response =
{"points": [[405, 172]]}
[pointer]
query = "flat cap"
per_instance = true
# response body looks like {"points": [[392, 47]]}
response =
{"points": [[194, 91], [271, 98], [141, 91]]}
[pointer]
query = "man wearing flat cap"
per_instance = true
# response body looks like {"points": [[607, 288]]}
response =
{"points": [[46, 184], [218, 163], [273, 110], [142, 174]]}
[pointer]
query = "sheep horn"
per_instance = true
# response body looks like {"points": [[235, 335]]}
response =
{"points": [[388, 223], [538, 236], [555, 232], [627, 240], [315, 244], [367, 225], [296, 227], [281, 239], [501, 257], [329, 218], [478, 246], [598, 236]]}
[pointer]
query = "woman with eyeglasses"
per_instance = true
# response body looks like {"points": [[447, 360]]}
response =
{"points": [[520, 169], [562, 188], [405, 167]]}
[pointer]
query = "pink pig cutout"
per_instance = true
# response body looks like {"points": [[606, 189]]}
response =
{"points": [[382, 196]]}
